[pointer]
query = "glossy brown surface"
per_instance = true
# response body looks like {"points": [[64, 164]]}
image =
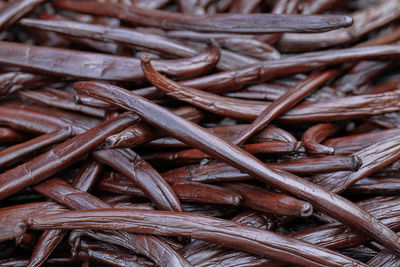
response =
{"points": [[249, 110], [364, 21], [284, 103], [268, 201], [332, 204], [14, 10], [60, 156], [354, 143], [185, 190], [228, 93], [373, 158], [105, 67], [12, 218], [109, 254], [59, 99], [10, 136], [229, 133], [13, 81], [142, 132], [146, 41], [219, 172], [140, 172], [233, 235], [49, 239], [75, 199], [16, 153], [194, 155], [230, 80], [315, 135], [254, 23]]}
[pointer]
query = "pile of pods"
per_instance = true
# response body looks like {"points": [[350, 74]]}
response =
{"points": [[199, 133]]}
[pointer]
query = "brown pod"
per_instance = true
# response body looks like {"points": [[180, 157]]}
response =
{"points": [[268, 201], [353, 143], [201, 253], [13, 81], [228, 81], [61, 156], [38, 121], [315, 135], [59, 99], [49, 239], [306, 112], [190, 156], [12, 230], [141, 132], [13, 218], [162, 254], [186, 191], [253, 240], [294, 95], [194, 135], [108, 254], [365, 20], [376, 186], [23, 211], [142, 174], [11, 12], [384, 258], [373, 158], [9, 136], [16, 153], [74, 63], [222, 172], [253, 23]]}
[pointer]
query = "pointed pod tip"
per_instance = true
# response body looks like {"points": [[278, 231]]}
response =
{"points": [[306, 209], [145, 59], [357, 162]]}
